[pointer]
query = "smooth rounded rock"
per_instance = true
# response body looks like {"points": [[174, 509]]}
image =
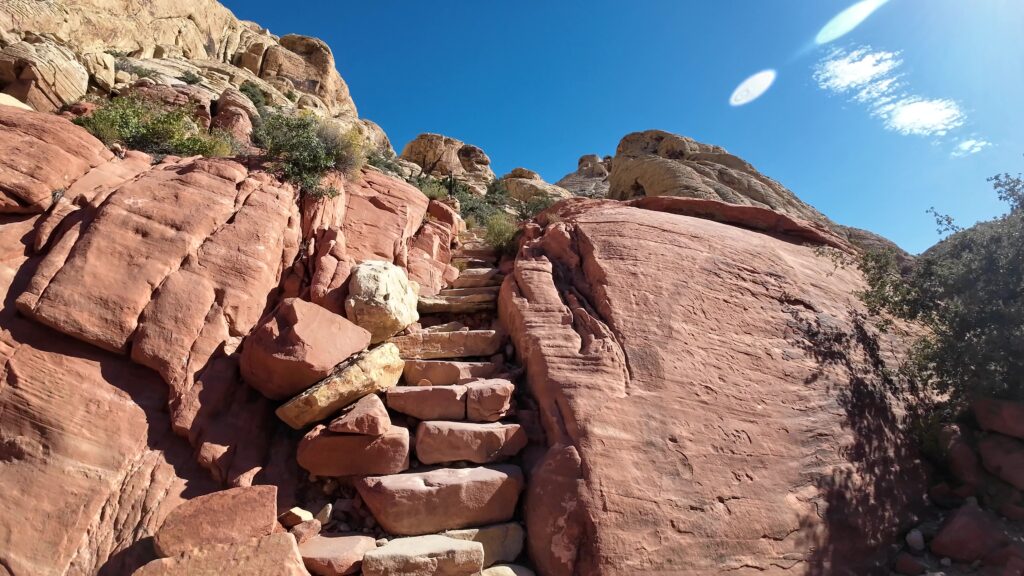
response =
{"points": [[225, 517], [335, 554], [381, 299]]}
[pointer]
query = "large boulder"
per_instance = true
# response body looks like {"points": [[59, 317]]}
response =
{"points": [[380, 299], [42, 73], [629, 320], [375, 371], [273, 555], [297, 346], [230, 517], [429, 501], [442, 156]]}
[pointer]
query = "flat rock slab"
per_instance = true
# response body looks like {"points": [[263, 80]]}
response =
{"points": [[227, 517], [326, 453], [425, 556], [461, 344], [429, 402], [457, 304], [419, 503], [501, 542], [448, 372], [374, 371], [297, 346], [335, 554], [273, 555], [488, 400], [438, 442], [368, 416], [477, 277]]}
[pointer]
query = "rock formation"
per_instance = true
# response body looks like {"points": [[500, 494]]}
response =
{"points": [[525, 185], [590, 178], [672, 457], [442, 156]]}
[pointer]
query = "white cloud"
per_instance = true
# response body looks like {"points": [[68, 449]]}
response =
{"points": [[912, 115], [969, 147], [872, 78]]}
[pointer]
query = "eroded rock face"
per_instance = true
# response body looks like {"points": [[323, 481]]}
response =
{"points": [[762, 463], [657, 163], [525, 185], [590, 178], [442, 156]]}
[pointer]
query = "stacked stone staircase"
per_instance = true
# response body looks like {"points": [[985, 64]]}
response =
{"points": [[457, 392]]}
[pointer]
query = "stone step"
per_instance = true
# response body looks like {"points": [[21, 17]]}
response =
{"points": [[422, 555], [502, 542], [441, 442], [340, 553], [471, 263], [471, 291], [439, 345], [476, 251], [448, 372], [325, 453], [430, 501], [474, 277], [479, 401], [468, 303]]}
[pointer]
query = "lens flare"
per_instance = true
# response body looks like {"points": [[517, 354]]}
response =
{"points": [[847, 20], [753, 88]]}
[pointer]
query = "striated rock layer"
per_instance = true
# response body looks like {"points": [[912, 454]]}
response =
{"points": [[711, 399]]}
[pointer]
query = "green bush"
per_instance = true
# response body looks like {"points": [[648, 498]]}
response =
{"points": [[254, 94], [305, 148], [144, 125], [386, 161], [968, 290], [190, 77], [431, 188], [500, 232], [122, 65]]}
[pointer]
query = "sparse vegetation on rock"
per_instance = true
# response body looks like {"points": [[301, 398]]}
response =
{"points": [[145, 125], [305, 148]]}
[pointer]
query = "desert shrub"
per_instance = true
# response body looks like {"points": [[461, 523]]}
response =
{"points": [[968, 290], [431, 187], [190, 77], [122, 65], [500, 231], [150, 127], [254, 94], [292, 95], [305, 148], [539, 203], [386, 160]]}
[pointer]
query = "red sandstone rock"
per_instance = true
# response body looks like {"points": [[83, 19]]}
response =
{"points": [[274, 555], [40, 154], [448, 372], [1000, 416], [297, 346], [752, 428], [325, 453], [429, 402], [381, 214], [335, 554], [961, 459], [368, 416], [554, 510], [438, 442], [1004, 457], [443, 499], [228, 517], [306, 530], [488, 400], [968, 535]]}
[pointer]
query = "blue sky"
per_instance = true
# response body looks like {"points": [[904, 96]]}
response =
{"points": [[914, 108]]}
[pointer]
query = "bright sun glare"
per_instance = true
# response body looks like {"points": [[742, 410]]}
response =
{"points": [[753, 88], [847, 20]]}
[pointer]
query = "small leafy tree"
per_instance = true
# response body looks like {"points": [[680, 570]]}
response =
{"points": [[305, 148], [190, 77], [968, 290]]}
